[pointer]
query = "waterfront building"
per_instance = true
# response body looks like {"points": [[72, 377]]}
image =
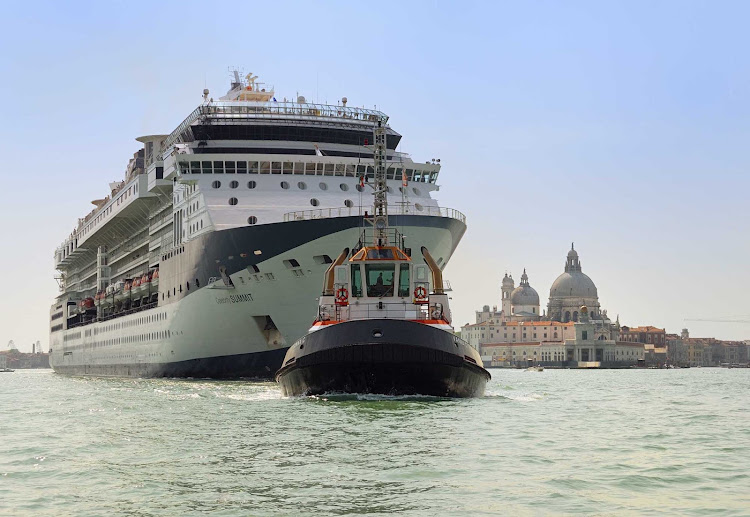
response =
{"points": [[644, 334], [689, 351]]}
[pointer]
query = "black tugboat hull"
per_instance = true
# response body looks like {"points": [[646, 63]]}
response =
{"points": [[390, 357]]}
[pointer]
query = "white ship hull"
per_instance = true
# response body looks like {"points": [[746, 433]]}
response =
{"points": [[238, 330]]}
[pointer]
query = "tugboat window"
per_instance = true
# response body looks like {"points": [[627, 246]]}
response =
{"points": [[356, 281], [380, 279], [403, 280]]}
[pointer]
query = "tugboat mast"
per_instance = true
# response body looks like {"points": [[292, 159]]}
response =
{"points": [[380, 216]]}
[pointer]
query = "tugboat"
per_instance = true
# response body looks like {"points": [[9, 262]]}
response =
{"points": [[383, 324]]}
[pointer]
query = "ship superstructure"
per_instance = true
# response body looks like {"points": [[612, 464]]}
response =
{"points": [[205, 259]]}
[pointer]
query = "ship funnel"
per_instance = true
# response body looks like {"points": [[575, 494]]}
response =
{"points": [[328, 285], [437, 275]]}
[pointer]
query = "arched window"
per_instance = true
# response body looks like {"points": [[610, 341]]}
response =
{"points": [[575, 315], [567, 317]]}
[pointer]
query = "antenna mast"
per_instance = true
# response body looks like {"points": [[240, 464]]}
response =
{"points": [[380, 216]]}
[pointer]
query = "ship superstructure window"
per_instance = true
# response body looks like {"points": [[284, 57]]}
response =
{"points": [[323, 186], [291, 263], [322, 259], [379, 279], [403, 280], [418, 207], [356, 281], [302, 185], [216, 184], [285, 185], [218, 167], [314, 202], [251, 184], [344, 187], [232, 201], [348, 203], [229, 167], [416, 191], [241, 167]]}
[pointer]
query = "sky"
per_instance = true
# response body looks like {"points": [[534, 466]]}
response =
{"points": [[620, 126]]}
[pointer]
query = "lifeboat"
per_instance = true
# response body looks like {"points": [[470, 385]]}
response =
{"points": [[119, 291], [86, 304], [135, 286], [155, 280]]}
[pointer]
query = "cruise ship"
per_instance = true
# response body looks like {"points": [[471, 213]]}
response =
{"points": [[205, 260]]}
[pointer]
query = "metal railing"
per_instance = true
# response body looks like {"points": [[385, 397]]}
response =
{"points": [[325, 213]]}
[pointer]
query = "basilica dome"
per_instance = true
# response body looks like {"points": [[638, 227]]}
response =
{"points": [[524, 294], [573, 284]]}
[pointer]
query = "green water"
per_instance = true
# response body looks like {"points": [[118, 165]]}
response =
{"points": [[635, 442]]}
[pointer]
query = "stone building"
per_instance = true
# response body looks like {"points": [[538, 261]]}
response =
{"points": [[645, 334], [574, 331]]}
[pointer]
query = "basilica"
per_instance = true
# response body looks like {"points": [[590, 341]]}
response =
{"points": [[573, 330]]}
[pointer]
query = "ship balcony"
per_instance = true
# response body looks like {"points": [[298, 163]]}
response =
{"points": [[325, 213]]}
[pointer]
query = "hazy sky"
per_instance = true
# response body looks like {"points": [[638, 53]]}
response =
{"points": [[622, 126]]}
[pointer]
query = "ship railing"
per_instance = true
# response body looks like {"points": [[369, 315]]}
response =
{"points": [[115, 315], [325, 213], [271, 109], [384, 310]]}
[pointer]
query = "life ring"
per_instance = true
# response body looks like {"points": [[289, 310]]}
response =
{"points": [[420, 293], [342, 295]]}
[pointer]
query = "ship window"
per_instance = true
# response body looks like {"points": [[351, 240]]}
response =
{"points": [[251, 184], [232, 201], [379, 279], [302, 185], [314, 202], [265, 167], [328, 171], [356, 281], [234, 184], [322, 259], [299, 168], [291, 263], [360, 169], [350, 170], [241, 167], [416, 191], [252, 167], [340, 169], [403, 280], [254, 268], [275, 167], [216, 184], [218, 167], [288, 167], [418, 207], [195, 167], [252, 219], [285, 185], [323, 186], [310, 169], [359, 188], [344, 187], [206, 167], [230, 167], [348, 203], [391, 173]]}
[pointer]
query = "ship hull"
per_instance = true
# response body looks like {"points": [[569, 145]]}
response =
{"points": [[242, 328], [382, 356]]}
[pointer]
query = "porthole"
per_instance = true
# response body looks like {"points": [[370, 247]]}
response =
{"points": [[416, 191], [359, 188], [389, 190], [216, 184], [285, 185], [348, 203], [302, 185], [418, 207], [314, 202], [323, 186], [251, 184], [234, 184], [252, 219], [377, 333], [344, 187], [232, 201]]}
